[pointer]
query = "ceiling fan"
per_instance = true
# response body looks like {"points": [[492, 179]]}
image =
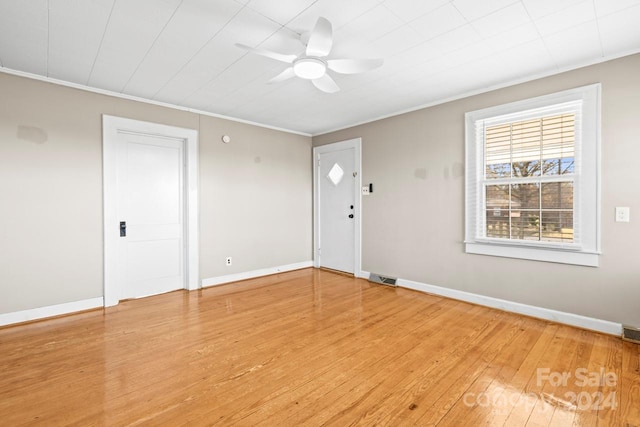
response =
{"points": [[313, 64]]}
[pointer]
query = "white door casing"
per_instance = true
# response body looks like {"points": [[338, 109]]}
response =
{"points": [[337, 243], [150, 176]]}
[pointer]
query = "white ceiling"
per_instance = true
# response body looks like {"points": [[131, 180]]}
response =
{"points": [[182, 52]]}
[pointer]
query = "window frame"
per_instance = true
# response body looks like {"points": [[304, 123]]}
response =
{"points": [[587, 182]]}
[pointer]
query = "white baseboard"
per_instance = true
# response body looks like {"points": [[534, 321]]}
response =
{"points": [[362, 274], [599, 325], [584, 322], [213, 281], [50, 311]]}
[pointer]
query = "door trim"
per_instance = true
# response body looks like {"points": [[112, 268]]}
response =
{"points": [[356, 145], [111, 126]]}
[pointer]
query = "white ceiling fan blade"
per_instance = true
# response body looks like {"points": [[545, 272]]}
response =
{"points": [[285, 75], [269, 54], [326, 84], [353, 66], [321, 38]]}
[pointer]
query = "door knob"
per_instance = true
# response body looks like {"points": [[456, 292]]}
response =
{"points": [[350, 215]]}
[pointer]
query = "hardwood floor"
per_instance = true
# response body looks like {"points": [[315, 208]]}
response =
{"points": [[312, 347]]}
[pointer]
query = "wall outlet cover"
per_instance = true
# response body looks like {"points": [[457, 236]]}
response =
{"points": [[622, 214]]}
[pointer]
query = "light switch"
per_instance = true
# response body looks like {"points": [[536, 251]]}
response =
{"points": [[622, 214]]}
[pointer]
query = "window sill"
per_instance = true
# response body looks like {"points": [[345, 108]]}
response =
{"points": [[535, 254]]}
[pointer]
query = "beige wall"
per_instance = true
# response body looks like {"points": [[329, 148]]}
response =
{"points": [[255, 196], [413, 224], [255, 193]]}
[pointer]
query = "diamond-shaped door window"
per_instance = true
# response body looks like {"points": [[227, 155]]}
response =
{"points": [[336, 174]]}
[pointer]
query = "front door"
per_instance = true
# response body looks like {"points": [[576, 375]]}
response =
{"points": [[337, 209]]}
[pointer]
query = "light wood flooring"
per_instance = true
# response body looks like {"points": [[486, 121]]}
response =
{"points": [[312, 347]]}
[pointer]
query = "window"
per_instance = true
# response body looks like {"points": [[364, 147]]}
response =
{"points": [[532, 183]]}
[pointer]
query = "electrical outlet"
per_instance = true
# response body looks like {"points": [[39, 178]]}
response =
{"points": [[228, 261], [622, 214], [365, 190]]}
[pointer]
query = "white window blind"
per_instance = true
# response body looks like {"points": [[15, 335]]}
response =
{"points": [[526, 181]]}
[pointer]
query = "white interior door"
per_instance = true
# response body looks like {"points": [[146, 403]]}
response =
{"points": [[151, 211], [337, 209], [150, 208]]}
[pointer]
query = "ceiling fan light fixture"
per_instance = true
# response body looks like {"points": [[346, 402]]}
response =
{"points": [[314, 63], [309, 68]]}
